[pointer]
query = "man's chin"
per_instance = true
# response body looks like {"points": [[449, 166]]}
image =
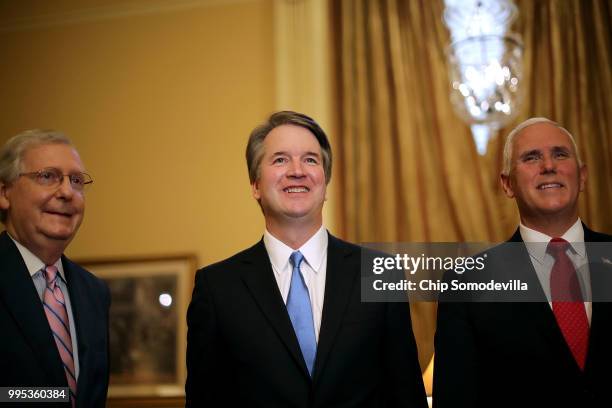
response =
{"points": [[299, 213], [559, 212], [61, 236], [555, 208]]}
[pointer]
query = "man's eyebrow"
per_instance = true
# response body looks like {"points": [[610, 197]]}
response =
{"points": [[530, 153], [284, 153], [561, 149]]}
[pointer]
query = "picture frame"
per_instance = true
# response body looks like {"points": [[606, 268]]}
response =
{"points": [[147, 326]]}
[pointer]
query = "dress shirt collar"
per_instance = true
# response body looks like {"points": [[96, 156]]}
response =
{"points": [[574, 235], [312, 250], [33, 263]]}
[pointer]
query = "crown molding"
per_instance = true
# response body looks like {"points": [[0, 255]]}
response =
{"points": [[111, 12]]}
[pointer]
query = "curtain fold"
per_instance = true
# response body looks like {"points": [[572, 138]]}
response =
{"points": [[568, 55], [407, 168]]}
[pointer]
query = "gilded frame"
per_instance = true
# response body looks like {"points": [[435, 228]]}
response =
{"points": [[148, 336]]}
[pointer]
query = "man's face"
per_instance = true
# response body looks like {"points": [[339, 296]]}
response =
{"points": [[291, 183], [545, 178], [42, 216]]}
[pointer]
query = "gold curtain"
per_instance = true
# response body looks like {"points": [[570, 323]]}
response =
{"points": [[406, 166], [568, 59]]}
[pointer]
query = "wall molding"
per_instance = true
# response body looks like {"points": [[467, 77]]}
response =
{"points": [[111, 12], [303, 67]]}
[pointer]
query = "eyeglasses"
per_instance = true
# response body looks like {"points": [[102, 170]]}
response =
{"points": [[52, 177]]}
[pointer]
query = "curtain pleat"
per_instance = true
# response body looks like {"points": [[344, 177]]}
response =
{"points": [[407, 167]]}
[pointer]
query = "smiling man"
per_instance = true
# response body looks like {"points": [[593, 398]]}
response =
{"points": [[53, 313], [554, 352], [281, 324], [544, 174]]}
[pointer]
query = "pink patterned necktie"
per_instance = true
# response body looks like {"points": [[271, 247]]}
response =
{"points": [[55, 309], [568, 306]]}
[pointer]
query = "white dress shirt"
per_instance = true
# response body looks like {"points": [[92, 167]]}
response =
{"points": [[313, 267], [536, 243], [35, 267]]}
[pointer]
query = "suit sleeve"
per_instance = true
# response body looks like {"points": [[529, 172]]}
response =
{"points": [[203, 365], [403, 373], [455, 371]]}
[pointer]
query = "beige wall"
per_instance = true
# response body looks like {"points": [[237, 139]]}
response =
{"points": [[159, 102]]}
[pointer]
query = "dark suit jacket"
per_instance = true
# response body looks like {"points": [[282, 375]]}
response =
{"points": [[514, 354], [28, 352], [242, 350]]}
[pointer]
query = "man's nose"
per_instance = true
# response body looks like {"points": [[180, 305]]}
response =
{"points": [[296, 169], [548, 164], [65, 189]]}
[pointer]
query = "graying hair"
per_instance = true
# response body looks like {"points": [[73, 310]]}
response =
{"points": [[254, 150], [509, 145], [12, 153]]}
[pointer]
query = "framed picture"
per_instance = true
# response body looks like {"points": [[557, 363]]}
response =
{"points": [[148, 333]]}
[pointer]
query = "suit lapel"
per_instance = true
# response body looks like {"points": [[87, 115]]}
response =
{"points": [[19, 293], [519, 260], [83, 321], [342, 273], [259, 279], [601, 282], [600, 333], [599, 253]]}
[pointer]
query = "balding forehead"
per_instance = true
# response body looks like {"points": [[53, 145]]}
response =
{"points": [[541, 138], [532, 132], [543, 123]]}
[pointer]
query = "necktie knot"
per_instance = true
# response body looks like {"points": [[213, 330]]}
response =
{"points": [[296, 259], [50, 273], [557, 246]]}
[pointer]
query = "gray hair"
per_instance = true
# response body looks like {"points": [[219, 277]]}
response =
{"points": [[254, 150], [509, 145], [12, 153]]}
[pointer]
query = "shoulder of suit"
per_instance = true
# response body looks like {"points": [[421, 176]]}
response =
{"points": [[245, 255], [259, 250], [82, 273], [6, 243], [594, 236], [336, 243]]}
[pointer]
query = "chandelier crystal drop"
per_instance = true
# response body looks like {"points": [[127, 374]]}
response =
{"points": [[485, 64]]}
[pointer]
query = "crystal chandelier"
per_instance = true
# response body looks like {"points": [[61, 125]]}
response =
{"points": [[485, 62]]}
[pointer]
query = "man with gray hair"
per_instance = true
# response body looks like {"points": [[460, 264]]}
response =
{"points": [[281, 324], [553, 351], [53, 313]]}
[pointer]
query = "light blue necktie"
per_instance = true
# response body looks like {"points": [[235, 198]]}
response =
{"points": [[300, 312]]}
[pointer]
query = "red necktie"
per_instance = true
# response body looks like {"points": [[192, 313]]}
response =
{"points": [[55, 309], [568, 305]]}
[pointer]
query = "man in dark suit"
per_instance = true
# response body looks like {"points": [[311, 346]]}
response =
{"points": [[551, 346], [53, 313], [281, 324]]}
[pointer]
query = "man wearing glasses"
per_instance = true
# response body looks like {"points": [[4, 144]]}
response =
{"points": [[53, 313]]}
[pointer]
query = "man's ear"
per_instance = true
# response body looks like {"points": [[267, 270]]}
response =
{"points": [[506, 185], [583, 176], [255, 190], [4, 200]]}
